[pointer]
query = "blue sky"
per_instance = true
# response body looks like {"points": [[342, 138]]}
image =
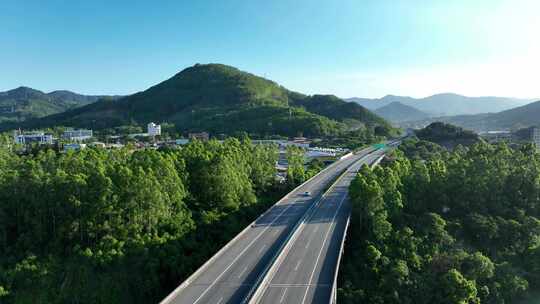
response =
{"points": [[348, 48]]}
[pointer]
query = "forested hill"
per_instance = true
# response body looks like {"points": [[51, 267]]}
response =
{"points": [[398, 112], [447, 135], [222, 99], [25, 103]]}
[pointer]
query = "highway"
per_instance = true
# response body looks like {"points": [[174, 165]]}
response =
{"points": [[231, 273], [305, 270]]}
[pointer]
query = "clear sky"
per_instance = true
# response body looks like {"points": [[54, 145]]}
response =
{"points": [[343, 47]]}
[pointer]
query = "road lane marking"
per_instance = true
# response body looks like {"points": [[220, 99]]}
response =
{"points": [[322, 247], [297, 264], [241, 273], [220, 300], [307, 244], [240, 254], [283, 295], [298, 285], [262, 248]]}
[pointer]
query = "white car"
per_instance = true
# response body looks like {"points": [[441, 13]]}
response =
{"points": [[307, 193]]}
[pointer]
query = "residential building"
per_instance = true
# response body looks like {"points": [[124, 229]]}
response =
{"points": [[77, 135], [496, 136], [74, 147], [301, 142], [536, 137], [97, 144], [134, 135], [154, 129], [34, 137], [200, 136], [278, 142], [181, 141], [7, 109]]}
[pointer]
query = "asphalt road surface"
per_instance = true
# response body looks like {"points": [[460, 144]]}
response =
{"points": [[306, 272], [231, 273]]}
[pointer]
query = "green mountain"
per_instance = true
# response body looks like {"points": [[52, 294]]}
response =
{"points": [[398, 112], [25, 103], [222, 99]]}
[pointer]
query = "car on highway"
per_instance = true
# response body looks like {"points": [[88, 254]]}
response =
{"points": [[307, 193]]}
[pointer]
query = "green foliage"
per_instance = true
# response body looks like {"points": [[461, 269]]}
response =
{"points": [[352, 139], [421, 149], [439, 227], [440, 132], [99, 226], [25, 103], [296, 173], [455, 289]]}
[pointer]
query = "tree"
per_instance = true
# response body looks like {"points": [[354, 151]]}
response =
{"points": [[296, 173], [452, 227], [455, 289], [77, 226]]}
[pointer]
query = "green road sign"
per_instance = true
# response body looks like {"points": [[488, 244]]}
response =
{"points": [[379, 146]]}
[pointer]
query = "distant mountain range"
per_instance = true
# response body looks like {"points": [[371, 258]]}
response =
{"points": [[24, 103], [447, 104], [221, 99], [397, 112], [513, 119]]}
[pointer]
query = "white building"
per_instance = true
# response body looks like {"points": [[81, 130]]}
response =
{"points": [[74, 147], [181, 141], [154, 129], [35, 137], [134, 135], [536, 137], [78, 135]]}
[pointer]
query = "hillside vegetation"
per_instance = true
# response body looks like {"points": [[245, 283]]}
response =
{"points": [[460, 227], [222, 99], [25, 103], [398, 112], [447, 135]]}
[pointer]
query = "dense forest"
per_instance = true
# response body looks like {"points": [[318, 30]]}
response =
{"points": [[445, 227], [447, 135], [119, 226]]}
